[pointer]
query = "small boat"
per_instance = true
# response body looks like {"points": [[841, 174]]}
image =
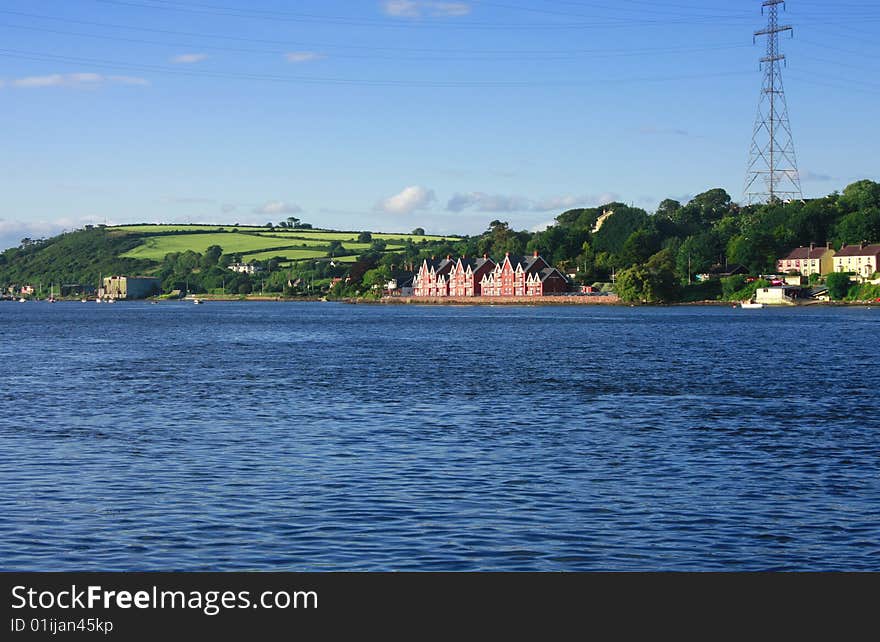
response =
{"points": [[197, 301], [22, 300], [83, 300], [749, 305]]}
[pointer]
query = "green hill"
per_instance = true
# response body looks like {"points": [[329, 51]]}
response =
{"points": [[83, 256]]}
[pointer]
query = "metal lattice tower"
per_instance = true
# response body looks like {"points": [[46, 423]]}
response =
{"points": [[772, 173]]}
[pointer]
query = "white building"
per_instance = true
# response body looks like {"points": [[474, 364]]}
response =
{"points": [[860, 259], [783, 295], [245, 268]]}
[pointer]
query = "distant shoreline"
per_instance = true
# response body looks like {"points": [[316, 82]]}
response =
{"points": [[547, 301]]}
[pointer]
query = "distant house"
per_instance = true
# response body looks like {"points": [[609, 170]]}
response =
{"points": [[782, 295], [606, 214], [860, 259], [523, 276], [721, 272], [808, 260], [27, 290], [432, 278], [245, 268], [466, 277], [130, 287], [400, 284]]}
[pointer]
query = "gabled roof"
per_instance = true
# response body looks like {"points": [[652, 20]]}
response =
{"points": [[800, 253], [526, 263], [473, 264], [546, 273], [440, 266], [860, 250]]}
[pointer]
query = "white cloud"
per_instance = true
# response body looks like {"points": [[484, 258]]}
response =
{"points": [[408, 201], [278, 207], [303, 56], [72, 80], [814, 177], [557, 203], [128, 80], [483, 202], [423, 8], [540, 227], [189, 58]]}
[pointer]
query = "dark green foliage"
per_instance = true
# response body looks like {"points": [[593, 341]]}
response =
{"points": [[618, 228], [839, 285], [697, 254], [731, 285], [82, 256], [653, 282], [858, 227], [707, 291]]}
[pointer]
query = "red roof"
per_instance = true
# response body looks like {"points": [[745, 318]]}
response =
{"points": [[806, 253], [858, 250]]}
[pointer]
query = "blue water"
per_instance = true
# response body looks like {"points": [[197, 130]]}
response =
{"points": [[235, 436]]}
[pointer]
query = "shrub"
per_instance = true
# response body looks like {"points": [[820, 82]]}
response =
{"points": [[839, 285]]}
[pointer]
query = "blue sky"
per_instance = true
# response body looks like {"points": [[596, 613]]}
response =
{"points": [[388, 115]]}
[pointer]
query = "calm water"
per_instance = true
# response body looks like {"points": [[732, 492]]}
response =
{"points": [[330, 437]]}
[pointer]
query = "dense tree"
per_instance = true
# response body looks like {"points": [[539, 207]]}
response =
{"points": [[211, 256], [838, 284], [860, 195], [859, 227], [365, 237], [618, 227], [697, 254], [652, 282]]}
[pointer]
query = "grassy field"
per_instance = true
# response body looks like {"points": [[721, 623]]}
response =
{"points": [[155, 248], [289, 254], [253, 243], [165, 229]]}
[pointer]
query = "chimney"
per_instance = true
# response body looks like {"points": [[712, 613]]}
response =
{"points": [[812, 246], [448, 257], [828, 245], [862, 245], [486, 256], [536, 254]]}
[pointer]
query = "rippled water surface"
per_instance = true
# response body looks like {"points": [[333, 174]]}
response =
{"points": [[331, 437]]}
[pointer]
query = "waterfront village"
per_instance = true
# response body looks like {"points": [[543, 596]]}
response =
{"points": [[511, 279]]}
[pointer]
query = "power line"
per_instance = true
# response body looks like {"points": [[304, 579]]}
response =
{"points": [[231, 37], [446, 55], [317, 80], [237, 12]]}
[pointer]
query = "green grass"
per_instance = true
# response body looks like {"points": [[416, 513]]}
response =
{"points": [[156, 247], [156, 229], [251, 242], [290, 254]]}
